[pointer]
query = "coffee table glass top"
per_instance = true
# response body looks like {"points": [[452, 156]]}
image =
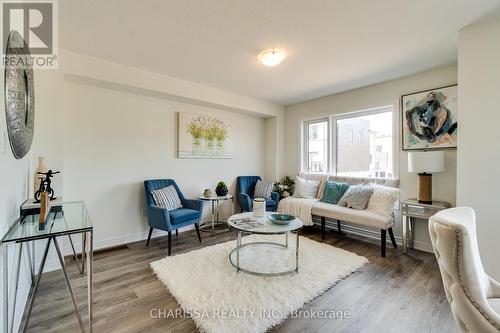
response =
{"points": [[246, 222]]}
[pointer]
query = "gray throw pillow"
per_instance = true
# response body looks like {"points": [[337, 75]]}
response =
{"points": [[356, 197]]}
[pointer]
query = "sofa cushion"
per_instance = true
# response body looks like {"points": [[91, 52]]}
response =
{"points": [[334, 191], [383, 199], [182, 215], [363, 217], [356, 196], [306, 188]]}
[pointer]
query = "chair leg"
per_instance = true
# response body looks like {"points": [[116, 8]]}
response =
{"points": [[383, 236], [176, 232], [149, 236], [169, 242], [197, 226], [393, 240], [323, 227]]}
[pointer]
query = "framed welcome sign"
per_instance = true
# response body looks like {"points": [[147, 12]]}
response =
{"points": [[204, 136], [429, 119]]}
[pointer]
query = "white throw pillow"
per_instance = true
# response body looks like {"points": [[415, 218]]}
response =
{"points": [[305, 188], [263, 189], [167, 197], [383, 199]]}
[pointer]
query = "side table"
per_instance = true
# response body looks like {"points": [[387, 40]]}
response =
{"points": [[216, 223], [72, 219], [411, 210]]}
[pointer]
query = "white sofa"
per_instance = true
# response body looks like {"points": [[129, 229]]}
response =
{"points": [[366, 217]]}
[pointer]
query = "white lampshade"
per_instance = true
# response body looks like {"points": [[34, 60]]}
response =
{"points": [[426, 161]]}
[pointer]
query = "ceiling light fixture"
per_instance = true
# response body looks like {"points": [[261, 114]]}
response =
{"points": [[271, 57]]}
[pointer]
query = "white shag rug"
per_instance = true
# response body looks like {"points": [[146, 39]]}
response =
{"points": [[220, 300]]}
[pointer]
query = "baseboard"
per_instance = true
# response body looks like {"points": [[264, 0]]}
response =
{"points": [[370, 234]]}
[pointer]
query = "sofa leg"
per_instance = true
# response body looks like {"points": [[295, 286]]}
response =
{"points": [[382, 241], [393, 240], [169, 242], [197, 226], [149, 236], [323, 227]]}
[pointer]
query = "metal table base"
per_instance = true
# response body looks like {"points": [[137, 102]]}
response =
{"points": [[35, 279], [215, 224], [239, 246]]}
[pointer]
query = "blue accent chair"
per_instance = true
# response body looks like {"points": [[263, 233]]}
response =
{"points": [[163, 219], [246, 188]]}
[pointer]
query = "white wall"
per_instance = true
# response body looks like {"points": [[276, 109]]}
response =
{"points": [[386, 93], [479, 136], [17, 180], [127, 132], [114, 140]]}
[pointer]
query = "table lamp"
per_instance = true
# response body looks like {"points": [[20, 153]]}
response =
{"points": [[425, 163]]}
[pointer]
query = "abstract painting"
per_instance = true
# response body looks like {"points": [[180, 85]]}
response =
{"points": [[429, 119], [204, 136]]}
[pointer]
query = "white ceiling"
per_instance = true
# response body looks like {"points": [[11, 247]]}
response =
{"points": [[332, 45]]}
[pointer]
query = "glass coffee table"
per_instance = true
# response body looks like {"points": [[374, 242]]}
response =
{"points": [[248, 224]]}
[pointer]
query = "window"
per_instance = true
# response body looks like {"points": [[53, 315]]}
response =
{"points": [[359, 144], [317, 146], [364, 157]]}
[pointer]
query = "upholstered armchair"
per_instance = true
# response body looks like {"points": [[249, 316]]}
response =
{"points": [[246, 188], [474, 297], [163, 219]]}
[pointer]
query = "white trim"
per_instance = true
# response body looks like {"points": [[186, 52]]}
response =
{"points": [[332, 137], [304, 147]]}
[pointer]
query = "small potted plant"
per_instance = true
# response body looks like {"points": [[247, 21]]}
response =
{"points": [[221, 189]]}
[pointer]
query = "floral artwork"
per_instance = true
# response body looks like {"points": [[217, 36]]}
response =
{"points": [[204, 136], [429, 119]]}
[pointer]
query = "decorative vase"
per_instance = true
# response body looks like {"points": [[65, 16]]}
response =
{"points": [[207, 193], [220, 148], [221, 189], [196, 147], [210, 147], [41, 168], [259, 207]]}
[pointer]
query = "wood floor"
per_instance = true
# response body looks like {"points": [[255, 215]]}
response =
{"points": [[398, 293]]}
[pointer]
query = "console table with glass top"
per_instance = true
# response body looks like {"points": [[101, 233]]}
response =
{"points": [[72, 219]]}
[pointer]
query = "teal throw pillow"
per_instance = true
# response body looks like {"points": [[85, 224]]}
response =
{"points": [[334, 191]]}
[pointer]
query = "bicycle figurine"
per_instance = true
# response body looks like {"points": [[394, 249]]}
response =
{"points": [[45, 185]]}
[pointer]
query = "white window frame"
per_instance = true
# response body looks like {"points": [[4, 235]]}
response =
{"points": [[331, 167], [305, 143]]}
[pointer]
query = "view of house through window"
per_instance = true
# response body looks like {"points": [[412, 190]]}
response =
{"points": [[364, 146], [317, 146]]}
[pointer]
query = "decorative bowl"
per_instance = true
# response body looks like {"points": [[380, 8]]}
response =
{"points": [[281, 218]]}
